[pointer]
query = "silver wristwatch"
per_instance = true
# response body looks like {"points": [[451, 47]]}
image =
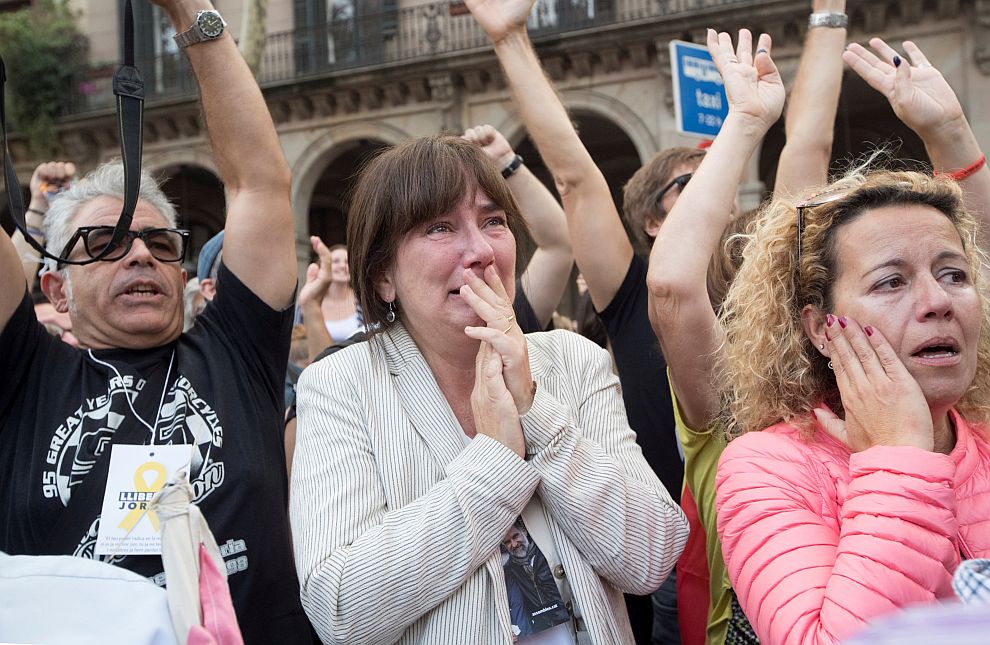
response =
{"points": [[208, 26], [833, 20]]}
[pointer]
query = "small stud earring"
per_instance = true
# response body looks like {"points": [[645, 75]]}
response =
{"points": [[390, 315], [822, 346]]}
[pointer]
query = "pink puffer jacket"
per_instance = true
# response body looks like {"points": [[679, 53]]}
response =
{"points": [[818, 541]]}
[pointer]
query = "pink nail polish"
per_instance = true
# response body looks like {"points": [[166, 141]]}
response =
{"points": [[829, 320], [842, 322]]}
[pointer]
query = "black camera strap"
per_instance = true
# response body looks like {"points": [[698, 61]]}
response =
{"points": [[128, 86]]}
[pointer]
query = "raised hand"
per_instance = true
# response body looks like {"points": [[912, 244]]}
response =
{"points": [[884, 405], [753, 84], [499, 18], [489, 300], [492, 143], [318, 275], [493, 407], [919, 94], [48, 180]]}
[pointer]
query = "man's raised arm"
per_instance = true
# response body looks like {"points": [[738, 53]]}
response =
{"points": [[601, 249], [259, 246]]}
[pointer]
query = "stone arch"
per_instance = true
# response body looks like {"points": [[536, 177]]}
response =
{"points": [[315, 211], [323, 151]]}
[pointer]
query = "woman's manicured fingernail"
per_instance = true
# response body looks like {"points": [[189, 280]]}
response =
{"points": [[897, 61], [868, 330], [829, 320], [842, 322]]}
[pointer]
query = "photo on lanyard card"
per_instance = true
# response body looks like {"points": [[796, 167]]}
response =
{"points": [[535, 604]]}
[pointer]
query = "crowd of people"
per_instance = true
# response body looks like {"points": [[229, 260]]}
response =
{"points": [[784, 438]]}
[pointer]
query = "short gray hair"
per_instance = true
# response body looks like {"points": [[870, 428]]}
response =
{"points": [[107, 180]]}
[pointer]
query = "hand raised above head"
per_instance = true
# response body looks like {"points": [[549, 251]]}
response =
{"points": [[884, 405], [491, 142], [918, 93], [50, 178], [752, 83], [499, 18], [489, 300]]}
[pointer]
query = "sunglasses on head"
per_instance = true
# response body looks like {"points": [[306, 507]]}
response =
{"points": [[679, 181], [164, 244]]}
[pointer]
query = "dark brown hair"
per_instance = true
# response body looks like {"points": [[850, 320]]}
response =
{"points": [[639, 195], [408, 185]]}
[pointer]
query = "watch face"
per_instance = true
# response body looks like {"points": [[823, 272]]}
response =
{"points": [[210, 23]]}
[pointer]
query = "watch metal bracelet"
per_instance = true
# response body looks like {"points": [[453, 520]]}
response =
{"points": [[826, 19]]}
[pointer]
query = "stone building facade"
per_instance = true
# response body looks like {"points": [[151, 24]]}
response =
{"points": [[344, 77]]}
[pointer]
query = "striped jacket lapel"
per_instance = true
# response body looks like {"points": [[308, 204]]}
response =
{"points": [[420, 396]]}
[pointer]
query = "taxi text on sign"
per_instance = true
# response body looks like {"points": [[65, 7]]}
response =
{"points": [[700, 104]]}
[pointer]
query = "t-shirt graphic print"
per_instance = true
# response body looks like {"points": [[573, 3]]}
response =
{"points": [[535, 604]]}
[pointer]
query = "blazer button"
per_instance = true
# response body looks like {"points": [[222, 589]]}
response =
{"points": [[558, 571]]}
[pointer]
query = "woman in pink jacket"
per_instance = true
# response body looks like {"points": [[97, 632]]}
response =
{"points": [[855, 342]]}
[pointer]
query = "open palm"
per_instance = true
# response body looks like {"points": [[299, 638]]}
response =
{"points": [[919, 94], [752, 84], [500, 17]]}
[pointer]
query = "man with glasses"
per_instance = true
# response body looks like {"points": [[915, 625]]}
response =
{"points": [[137, 379]]}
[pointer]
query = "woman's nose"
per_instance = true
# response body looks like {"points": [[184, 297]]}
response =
{"points": [[478, 250], [934, 301]]}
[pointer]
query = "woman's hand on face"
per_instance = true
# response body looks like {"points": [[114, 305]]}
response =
{"points": [[499, 18], [494, 410], [884, 404], [318, 275], [490, 301], [492, 143], [919, 94], [752, 84]]}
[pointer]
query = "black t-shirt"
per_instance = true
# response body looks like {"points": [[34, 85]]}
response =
{"points": [[59, 410], [523, 310], [643, 376]]}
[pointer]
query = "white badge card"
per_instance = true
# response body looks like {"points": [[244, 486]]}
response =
{"points": [[127, 525]]}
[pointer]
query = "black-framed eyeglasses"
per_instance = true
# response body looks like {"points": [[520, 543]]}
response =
{"points": [[164, 244], [679, 181]]}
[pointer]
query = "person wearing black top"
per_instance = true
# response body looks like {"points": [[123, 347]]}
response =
{"points": [[139, 380]]}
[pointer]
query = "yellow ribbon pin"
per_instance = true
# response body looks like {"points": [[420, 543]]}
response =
{"points": [[141, 486]]}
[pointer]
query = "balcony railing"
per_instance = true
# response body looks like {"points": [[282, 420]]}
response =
{"points": [[402, 35]]}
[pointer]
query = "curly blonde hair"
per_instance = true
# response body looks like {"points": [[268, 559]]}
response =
{"points": [[770, 371]]}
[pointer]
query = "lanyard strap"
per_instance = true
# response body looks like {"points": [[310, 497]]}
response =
{"points": [[128, 86]]}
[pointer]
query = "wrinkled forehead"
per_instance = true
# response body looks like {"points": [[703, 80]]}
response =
{"points": [[105, 211]]}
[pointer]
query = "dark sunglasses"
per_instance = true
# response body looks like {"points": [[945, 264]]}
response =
{"points": [[680, 181], [164, 244]]}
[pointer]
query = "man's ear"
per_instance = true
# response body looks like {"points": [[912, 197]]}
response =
{"points": [[208, 288], [813, 322], [53, 285], [651, 226]]}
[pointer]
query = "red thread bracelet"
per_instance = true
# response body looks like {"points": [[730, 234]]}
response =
{"points": [[968, 171]]}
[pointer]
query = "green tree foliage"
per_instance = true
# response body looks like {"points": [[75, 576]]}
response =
{"points": [[43, 51]]}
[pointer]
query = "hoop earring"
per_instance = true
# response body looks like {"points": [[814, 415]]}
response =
{"points": [[830, 365], [390, 315]]}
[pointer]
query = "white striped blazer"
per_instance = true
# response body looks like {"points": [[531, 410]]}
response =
{"points": [[396, 524]]}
